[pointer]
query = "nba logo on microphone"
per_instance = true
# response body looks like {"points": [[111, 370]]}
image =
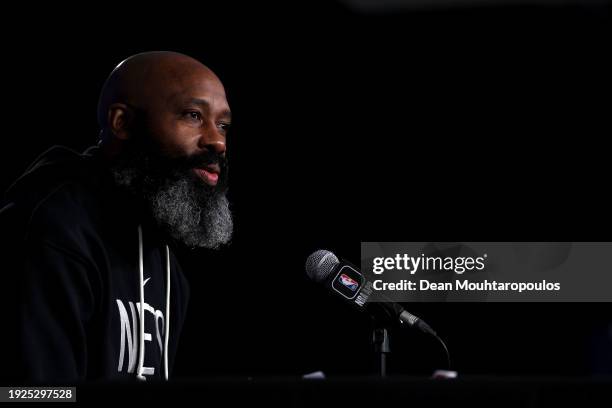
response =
{"points": [[349, 282]]}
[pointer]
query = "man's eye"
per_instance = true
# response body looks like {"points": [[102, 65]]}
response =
{"points": [[193, 115], [224, 127]]}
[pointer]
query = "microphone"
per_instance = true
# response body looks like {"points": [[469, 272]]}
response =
{"points": [[345, 281]]}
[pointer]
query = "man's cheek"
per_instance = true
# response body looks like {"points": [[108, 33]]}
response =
{"points": [[185, 138], [167, 138]]}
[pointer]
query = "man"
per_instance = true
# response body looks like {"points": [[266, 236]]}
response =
{"points": [[91, 288]]}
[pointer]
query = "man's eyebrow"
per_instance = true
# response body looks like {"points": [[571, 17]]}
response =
{"points": [[203, 102]]}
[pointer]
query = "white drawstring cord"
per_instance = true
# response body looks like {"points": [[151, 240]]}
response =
{"points": [[167, 318], [141, 322]]}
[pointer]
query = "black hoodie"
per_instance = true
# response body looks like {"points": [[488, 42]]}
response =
{"points": [[79, 258]]}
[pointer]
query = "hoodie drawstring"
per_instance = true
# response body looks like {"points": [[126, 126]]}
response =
{"points": [[167, 318], [139, 371]]}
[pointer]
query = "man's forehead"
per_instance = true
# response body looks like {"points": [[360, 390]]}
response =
{"points": [[210, 97]]}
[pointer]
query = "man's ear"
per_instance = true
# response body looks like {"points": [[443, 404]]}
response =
{"points": [[120, 116]]}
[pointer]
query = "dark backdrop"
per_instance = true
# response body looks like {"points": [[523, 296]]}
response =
{"points": [[465, 124]]}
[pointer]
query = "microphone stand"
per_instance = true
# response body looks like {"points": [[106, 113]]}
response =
{"points": [[380, 339]]}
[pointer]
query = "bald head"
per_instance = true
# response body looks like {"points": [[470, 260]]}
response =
{"points": [[144, 77]]}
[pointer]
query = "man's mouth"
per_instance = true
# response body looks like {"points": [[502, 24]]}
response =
{"points": [[209, 173]]}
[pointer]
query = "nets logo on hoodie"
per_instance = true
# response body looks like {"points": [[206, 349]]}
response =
{"points": [[130, 332]]}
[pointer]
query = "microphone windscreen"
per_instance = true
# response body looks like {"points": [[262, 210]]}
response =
{"points": [[320, 264]]}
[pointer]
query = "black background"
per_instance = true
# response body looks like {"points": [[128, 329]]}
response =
{"points": [[465, 124]]}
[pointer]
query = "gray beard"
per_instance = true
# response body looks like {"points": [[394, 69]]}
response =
{"points": [[181, 206]]}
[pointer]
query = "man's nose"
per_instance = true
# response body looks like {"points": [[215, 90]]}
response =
{"points": [[212, 141]]}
